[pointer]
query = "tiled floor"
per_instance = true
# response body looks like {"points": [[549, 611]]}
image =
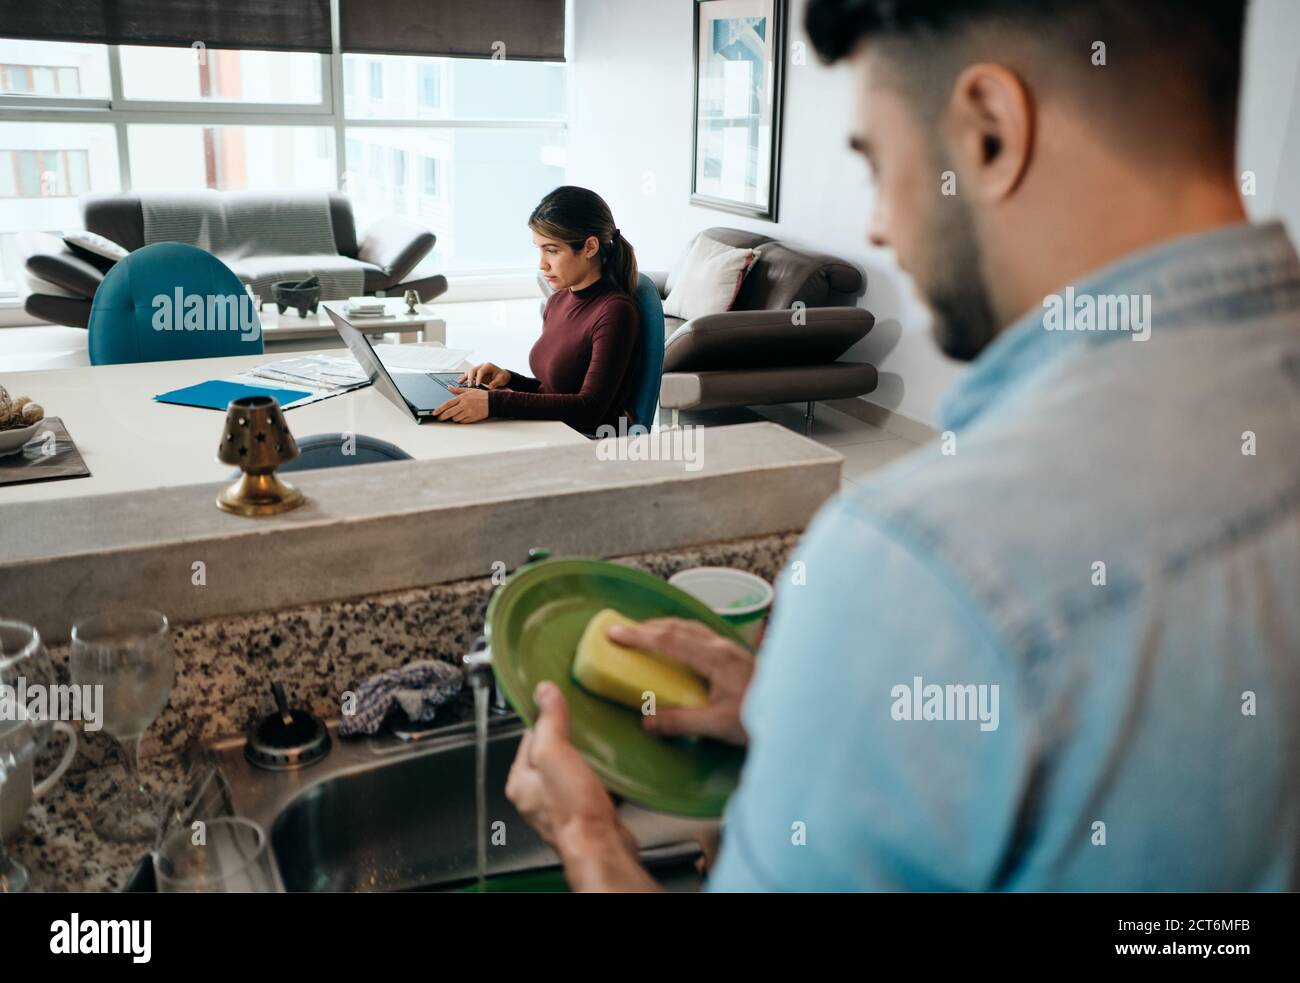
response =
{"points": [[502, 332], [865, 447]]}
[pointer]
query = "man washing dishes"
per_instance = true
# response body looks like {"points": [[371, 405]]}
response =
{"points": [[1121, 702]]}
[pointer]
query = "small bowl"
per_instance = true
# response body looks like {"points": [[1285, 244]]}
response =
{"points": [[301, 294], [11, 441], [740, 598]]}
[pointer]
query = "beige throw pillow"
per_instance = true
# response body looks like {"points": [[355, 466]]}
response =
{"points": [[96, 245], [708, 280]]}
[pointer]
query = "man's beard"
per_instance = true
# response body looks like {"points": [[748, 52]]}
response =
{"points": [[953, 285]]}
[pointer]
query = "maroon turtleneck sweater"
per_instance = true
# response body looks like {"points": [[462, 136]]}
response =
{"points": [[584, 362]]}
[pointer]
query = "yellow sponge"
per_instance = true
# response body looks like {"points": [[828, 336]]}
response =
{"points": [[622, 674]]}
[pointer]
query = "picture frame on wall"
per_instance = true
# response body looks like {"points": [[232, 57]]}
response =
{"points": [[736, 115]]}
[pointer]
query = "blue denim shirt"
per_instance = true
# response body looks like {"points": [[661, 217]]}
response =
{"points": [[1109, 532]]}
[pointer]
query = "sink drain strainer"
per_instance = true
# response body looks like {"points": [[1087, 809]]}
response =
{"points": [[287, 739]]}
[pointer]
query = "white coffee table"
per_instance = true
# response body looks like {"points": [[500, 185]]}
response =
{"points": [[426, 325]]}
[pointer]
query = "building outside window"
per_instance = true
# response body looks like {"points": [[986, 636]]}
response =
{"points": [[430, 165], [463, 146], [430, 86], [44, 173]]}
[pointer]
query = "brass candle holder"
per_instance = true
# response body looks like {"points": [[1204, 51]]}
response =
{"points": [[257, 441]]}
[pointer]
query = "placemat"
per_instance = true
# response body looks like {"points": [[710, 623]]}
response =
{"points": [[49, 456]]}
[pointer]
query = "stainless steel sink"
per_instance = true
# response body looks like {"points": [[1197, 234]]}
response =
{"points": [[383, 814]]}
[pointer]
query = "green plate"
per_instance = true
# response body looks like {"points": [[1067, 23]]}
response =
{"points": [[534, 622]]}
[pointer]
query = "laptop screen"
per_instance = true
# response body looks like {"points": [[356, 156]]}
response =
{"points": [[415, 392]]}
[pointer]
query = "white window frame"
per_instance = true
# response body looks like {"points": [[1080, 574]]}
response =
{"points": [[120, 112]]}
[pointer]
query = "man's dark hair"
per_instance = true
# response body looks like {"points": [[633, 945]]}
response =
{"points": [[1190, 46]]}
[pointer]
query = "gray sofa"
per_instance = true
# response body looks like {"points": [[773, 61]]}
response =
{"points": [[64, 282], [767, 349]]}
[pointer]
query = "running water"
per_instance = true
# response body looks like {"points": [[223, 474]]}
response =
{"points": [[482, 692]]}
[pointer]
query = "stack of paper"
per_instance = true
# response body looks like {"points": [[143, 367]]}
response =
{"points": [[364, 307], [317, 371], [328, 375]]}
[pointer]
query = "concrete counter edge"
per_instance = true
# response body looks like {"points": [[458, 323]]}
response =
{"points": [[388, 527]]}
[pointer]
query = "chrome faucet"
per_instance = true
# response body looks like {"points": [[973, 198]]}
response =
{"points": [[477, 662], [478, 671]]}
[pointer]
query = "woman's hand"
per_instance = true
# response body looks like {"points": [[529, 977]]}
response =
{"points": [[467, 406], [726, 666], [487, 374]]}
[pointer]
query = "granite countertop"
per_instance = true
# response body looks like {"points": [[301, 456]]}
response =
{"points": [[57, 844], [224, 667]]}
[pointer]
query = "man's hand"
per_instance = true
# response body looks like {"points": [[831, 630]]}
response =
{"points": [[466, 406], [550, 783], [562, 798], [725, 665]]}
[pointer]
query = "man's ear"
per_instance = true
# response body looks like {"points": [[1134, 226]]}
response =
{"points": [[990, 129]]}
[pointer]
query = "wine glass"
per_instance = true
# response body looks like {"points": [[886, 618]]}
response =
{"points": [[16, 753], [128, 654], [23, 658], [217, 856], [25, 669]]}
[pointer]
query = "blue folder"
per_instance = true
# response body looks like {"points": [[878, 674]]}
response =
{"points": [[216, 395]]}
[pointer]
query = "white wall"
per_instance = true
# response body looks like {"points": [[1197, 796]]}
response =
{"points": [[630, 140], [1269, 134]]}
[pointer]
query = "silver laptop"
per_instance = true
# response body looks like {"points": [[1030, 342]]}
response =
{"points": [[418, 393]]}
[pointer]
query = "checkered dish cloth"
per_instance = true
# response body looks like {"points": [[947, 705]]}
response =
{"points": [[418, 688]]}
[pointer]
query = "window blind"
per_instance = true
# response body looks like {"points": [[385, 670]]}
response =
{"points": [[275, 25]]}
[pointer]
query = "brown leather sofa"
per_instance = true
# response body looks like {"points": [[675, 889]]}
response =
{"points": [[781, 342], [66, 282]]}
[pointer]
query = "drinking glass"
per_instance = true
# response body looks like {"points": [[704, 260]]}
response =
{"points": [[25, 670], [129, 654], [25, 663], [18, 788], [226, 855]]}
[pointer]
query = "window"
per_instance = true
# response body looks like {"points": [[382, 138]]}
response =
{"points": [[207, 75], [398, 185], [37, 80], [28, 171], [231, 158], [470, 185], [192, 118], [430, 176], [43, 168], [43, 173], [53, 69], [459, 88], [489, 180], [430, 85]]}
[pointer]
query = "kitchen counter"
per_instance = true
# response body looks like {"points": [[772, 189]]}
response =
{"points": [[224, 668], [58, 846], [403, 525]]}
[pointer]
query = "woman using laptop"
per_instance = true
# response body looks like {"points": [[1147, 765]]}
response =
{"points": [[584, 364]]}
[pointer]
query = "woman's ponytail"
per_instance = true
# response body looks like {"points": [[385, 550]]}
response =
{"points": [[620, 263]]}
